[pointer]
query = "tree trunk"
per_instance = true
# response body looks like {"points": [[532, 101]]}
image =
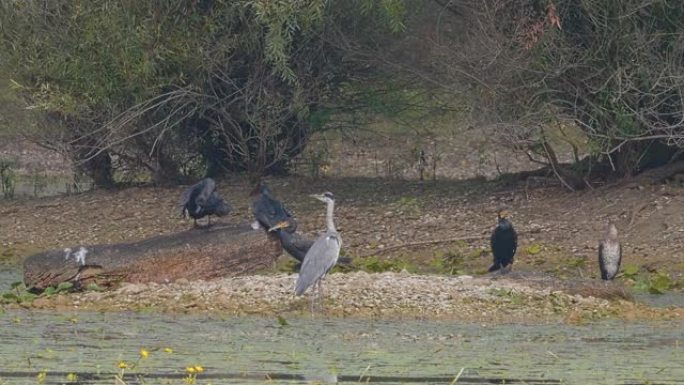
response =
{"points": [[200, 253]]}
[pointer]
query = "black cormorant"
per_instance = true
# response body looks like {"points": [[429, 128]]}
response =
{"points": [[269, 212], [610, 253], [201, 200], [504, 242], [295, 244]]}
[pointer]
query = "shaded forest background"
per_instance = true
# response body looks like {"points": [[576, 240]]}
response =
{"points": [[184, 88]]}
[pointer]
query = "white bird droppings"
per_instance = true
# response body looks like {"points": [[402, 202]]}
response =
{"points": [[79, 256]]}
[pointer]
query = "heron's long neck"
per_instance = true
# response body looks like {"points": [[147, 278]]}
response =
{"points": [[329, 217]]}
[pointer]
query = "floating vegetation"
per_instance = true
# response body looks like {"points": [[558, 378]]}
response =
{"points": [[17, 294]]}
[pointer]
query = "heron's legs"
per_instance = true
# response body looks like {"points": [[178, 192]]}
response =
{"points": [[320, 292], [313, 298], [317, 295]]}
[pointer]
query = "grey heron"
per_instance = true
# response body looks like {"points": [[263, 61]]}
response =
{"points": [[269, 212], [322, 255], [202, 200], [610, 253], [504, 242]]}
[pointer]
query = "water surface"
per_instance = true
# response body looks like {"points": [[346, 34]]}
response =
{"points": [[253, 350]]}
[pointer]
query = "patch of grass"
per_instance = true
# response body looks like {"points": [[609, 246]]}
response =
{"points": [[449, 262], [409, 205], [655, 283], [8, 178], [576, 262], [61, 288], [375, 264], [288, 266], [659, 283], [534, 249], [508, 296], [630, 271]]}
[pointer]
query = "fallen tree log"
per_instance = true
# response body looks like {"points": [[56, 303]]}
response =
{"points": [[199, 253]]}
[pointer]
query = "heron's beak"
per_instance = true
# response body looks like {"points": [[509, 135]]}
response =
{"points": [[503, 214], [320, 197], [280, 225]]}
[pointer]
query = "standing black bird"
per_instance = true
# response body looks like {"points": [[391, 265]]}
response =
{"points": [[610, 253], [201, 200], [269, 212], [504, 242]]}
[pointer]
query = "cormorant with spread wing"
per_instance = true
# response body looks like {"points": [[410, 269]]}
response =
{"points": [[201, 200]]}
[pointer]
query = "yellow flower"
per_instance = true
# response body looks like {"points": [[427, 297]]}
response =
{"points": [[144, 353], [199, 368], [123, 365], [40, 378], [190, 369], [168, 350]]}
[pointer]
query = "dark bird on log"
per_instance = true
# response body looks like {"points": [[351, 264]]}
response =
{"points": [[504, 243], [295, 244], [610, 253], [269, 212], [322, 255], [202, 200]]}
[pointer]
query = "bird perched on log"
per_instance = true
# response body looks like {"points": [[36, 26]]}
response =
{"points": [[295, 244], [504, 243], [610, 253], [322, 255], [201, 200], [269, 212]]}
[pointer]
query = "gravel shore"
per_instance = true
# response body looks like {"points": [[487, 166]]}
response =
{"points": [[360, 294]]}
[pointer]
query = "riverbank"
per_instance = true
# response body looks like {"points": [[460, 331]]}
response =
{"points": [[380, 296]]}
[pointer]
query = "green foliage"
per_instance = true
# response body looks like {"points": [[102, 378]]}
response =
{"points": [[654, 283], [94, 287], [180, 86], [375, 264], [62, 287], [449, 262], [659, 283], [612, 68], [409, 205], [630, 271], [576, 261], [282, 322], [508, 295], [534, 249], [7, 178], [17, 294]]}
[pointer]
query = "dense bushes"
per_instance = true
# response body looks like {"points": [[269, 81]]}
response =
{"points": [[184, 85]]}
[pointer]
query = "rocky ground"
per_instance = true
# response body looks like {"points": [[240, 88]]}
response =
{"points": [[377, 295]]}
